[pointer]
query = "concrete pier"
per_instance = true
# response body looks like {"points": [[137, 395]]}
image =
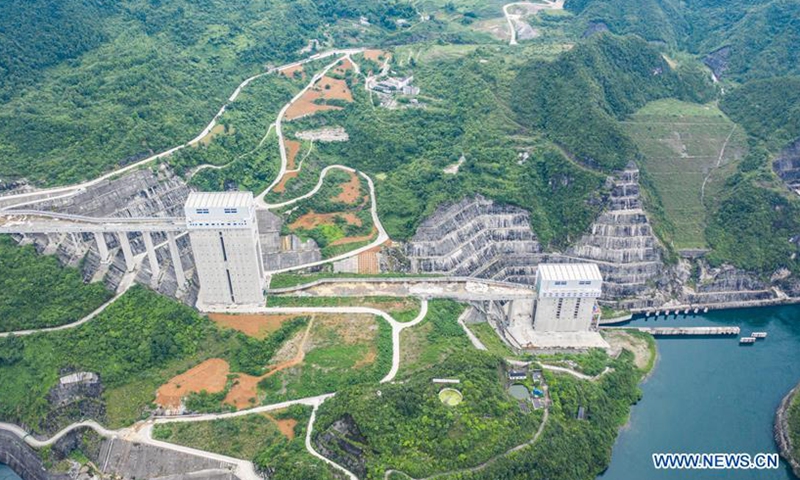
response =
{"points": [[102, 247], [151, 254], [664, 331], [180, 276], [125, 244]]}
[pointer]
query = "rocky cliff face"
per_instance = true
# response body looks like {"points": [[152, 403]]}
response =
{"points": [[787, 166], [283, 251], [476, 237]]}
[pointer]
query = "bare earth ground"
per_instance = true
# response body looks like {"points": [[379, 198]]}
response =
{"points": [[620, 339], [254, 325], [210, 376], [311, 220], [350, 190]]}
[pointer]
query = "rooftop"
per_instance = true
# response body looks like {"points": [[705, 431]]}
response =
{"points": [[569, 271], [219, 199]]}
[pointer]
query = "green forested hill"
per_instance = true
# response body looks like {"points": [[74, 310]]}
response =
{"points": [[768, 109], [578, 98], [761, 36], [89, 85], [36, 34]]}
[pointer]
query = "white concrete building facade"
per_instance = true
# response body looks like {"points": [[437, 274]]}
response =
{"points": [[567, 297], [227, 251]]}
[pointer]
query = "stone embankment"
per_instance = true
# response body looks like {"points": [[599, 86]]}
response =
{"points": [[782, 432]]}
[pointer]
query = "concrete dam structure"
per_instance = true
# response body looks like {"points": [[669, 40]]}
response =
{"points": [[476, 237]]}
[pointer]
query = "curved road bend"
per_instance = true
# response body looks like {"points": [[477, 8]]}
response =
{"points": [[279, 128], [29, 198], [382, 235]]}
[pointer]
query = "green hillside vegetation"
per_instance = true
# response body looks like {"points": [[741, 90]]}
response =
{"points": [[577, 98], [255, 438], [761, 35], [158, 76], [250, 158], [683, 156], [572, 449], [406, 151], [793, 416], [136, 344], [408, 428], [37, 292], [768, 109]]}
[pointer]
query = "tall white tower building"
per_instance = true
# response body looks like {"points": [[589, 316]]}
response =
{"points": [[227, 252], [567, 297]]}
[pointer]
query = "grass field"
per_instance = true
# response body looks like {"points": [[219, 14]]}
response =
{"points": [[274, 441], [340, 350], [689, 150], [402, 309]]}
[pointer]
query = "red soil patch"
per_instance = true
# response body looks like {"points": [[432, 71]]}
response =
{"points": [[281, 186], [368, 263], [350, 190], [343, 66], [292, 149], [362, 238], [375, 55], [289, 71], [244, 392], [326, 89], [258, 326], [210, 376], [286, 426], [311, 220]]}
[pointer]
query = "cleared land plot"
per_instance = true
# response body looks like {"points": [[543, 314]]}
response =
{"points": [[689, 150], [313, 100], [340, 350], [274, 441], [210, 376], [437, 337], [310, 220], [377, 55], [295, 71], [254, 325], [351, 190], [402, 309], [215, 132]]}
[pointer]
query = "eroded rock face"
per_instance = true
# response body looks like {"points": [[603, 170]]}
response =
{"points": [[787, 166], [476, 237], [343, 443], [718, 60], [622, 243]]}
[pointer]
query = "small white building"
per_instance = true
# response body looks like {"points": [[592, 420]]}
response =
{"points": [[566, 297], [226, 247]]}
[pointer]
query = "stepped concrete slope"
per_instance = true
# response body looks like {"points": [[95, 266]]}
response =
{"points": [[623, 245], [476, 237], [280, 252]]}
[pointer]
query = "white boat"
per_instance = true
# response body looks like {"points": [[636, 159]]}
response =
{"points": [[759, 334], [747, 340]]}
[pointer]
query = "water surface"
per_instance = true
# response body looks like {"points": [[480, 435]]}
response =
{"points": [[7, 474], [711, 395]]}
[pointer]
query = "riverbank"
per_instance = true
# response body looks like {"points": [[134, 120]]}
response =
{"points": [[708, 394], [782, 430]]}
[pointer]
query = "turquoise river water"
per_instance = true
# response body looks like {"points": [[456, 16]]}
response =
{"points": [[7, 474], [710, 395]]}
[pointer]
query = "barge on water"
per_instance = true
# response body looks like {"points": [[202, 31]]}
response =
{"points": [[759, 334], [747, 340]]}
